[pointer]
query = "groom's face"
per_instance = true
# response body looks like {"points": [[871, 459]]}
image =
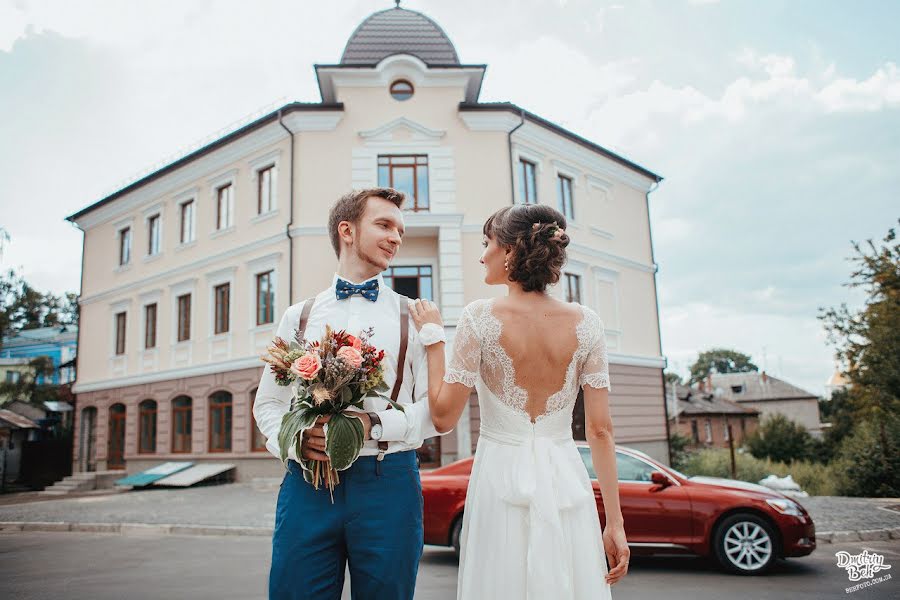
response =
{"points": [[379, 233]]}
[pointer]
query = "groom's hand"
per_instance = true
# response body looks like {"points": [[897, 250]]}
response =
{"points": [[313, 445]]}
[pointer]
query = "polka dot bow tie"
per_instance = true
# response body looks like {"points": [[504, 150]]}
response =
{"points": [[368, 290]]}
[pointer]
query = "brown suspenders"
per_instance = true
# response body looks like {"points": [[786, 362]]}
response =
{"points": [[401, 355]]}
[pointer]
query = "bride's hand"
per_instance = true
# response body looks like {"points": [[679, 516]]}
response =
{"points": [[617, 553], [424, 311]]}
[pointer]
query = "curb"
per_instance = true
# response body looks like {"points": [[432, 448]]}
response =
{"points": [[136, 529], [151, 529]]}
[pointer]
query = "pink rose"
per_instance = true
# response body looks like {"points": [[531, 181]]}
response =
{"points": [[351, 356], [307, 366]]}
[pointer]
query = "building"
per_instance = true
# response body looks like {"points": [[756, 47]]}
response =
{"points": [[768, 395], [59, 343], [704, 418], [837, 382], [187, 269]]}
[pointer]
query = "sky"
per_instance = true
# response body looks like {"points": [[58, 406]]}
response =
{"points": [[776, 124]]}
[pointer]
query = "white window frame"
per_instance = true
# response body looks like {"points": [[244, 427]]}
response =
{"points": [[707, 425], [533, 156], [255, 267], [121, 306], [230, 177], [213, 279], [574, 175], [150, 241], [188, 286], [268, 159], [119, 228]]}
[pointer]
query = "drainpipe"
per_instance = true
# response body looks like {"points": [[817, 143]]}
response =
{"points": [[290, 219], [662, 374], [512, 167]]}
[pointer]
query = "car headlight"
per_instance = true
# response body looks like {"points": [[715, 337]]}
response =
{"points": [[785, 506]]}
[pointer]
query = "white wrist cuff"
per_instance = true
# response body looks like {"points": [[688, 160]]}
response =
{"points": [[432, 333]]}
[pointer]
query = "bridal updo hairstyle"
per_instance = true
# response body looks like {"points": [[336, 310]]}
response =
{"points": [[538, 253]]}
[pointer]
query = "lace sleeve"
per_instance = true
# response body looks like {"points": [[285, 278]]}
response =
{"points": [[595, 369], [466, 357]]}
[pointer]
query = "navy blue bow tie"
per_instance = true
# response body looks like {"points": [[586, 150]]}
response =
{"points": [[368, 290]]}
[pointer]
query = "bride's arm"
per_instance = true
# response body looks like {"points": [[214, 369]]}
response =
{"points": [[446, 400]]}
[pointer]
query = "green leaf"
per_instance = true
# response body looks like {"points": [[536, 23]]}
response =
{"points": [[293, 424], [346, 395], [395, 405], [382, 387], [343, 440]]}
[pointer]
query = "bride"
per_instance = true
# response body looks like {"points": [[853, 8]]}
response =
{"points": [[530, 527]]}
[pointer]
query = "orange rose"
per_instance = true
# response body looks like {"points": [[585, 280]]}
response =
{"points": [[307, 366], [355, 342], [351, 356]]}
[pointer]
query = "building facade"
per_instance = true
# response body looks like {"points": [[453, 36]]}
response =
{"points": [[187, 270]]}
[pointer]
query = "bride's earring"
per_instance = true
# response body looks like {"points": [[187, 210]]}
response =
{"points": [[506, 265]]}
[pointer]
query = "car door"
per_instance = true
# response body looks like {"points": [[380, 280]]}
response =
{"points": [[652, 513]]}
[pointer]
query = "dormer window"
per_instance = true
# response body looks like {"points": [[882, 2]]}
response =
{"points": [[737, 389], [401, 90]]}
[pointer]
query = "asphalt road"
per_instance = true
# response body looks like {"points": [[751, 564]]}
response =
{"points": [[76, 566]]}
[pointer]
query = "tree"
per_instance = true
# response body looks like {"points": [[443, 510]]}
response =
{"points": [[23, 307], [27, 387], [781, 440], [672, 378], [868, 345], [720, 360]]}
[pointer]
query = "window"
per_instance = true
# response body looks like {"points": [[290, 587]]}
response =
{"points": [[13, 376], [265, 189], [125, 246], [120, 333], [708, 425], [725, 430], [153, 233], [409, 174], [401, 90], [258, 441], [224, 196], [220, 422], [573, 288], [182, 414], [147, 427], [628, 467], [184, 317], [565, 197], [265, 299], [527, 182], [412, 282], [695, 432], [187, 222], [223, 297], [150, 326], [737, 389]]}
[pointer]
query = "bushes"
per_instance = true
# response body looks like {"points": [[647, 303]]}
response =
{"points": [[868, 460], [782, 440], [816, 479]]}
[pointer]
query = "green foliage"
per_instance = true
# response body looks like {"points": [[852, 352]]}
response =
{"points": [[720, 360], [780, 439], [868, 461], [344, 437], [27, 387], [23, 307], [814, 478], [293, 424], [678, 445], [672, 378]]}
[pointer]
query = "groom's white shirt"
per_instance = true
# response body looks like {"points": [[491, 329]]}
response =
{"points": [[403, 430]]}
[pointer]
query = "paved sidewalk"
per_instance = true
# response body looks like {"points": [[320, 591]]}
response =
{"points": [[242, 509]]}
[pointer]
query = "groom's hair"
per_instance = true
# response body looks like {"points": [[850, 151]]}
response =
{"points": [[350, 207]]}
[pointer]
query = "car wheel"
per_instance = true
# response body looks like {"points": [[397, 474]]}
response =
{"points": [[745, 544], [456, 534]]}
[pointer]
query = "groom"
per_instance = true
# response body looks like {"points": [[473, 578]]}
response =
{"points": [[375, 523]]}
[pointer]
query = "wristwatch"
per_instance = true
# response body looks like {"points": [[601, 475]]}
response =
{"points": [[377, 430]]}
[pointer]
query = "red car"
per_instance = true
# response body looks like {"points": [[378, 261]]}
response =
{"points": [[743, 525]]}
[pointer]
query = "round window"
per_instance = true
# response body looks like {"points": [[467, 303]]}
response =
{"points": [[401, 90]]}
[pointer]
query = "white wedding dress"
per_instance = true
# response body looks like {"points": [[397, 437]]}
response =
{"points": [[530, 526]]}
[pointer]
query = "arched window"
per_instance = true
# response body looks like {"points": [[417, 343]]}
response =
{"points": [[401, 90], [147, 427], [182, 415], [220, 404], [115, 451], [258, 440]]}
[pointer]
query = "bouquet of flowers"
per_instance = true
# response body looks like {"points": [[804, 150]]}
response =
{"points": [[327, 377]]}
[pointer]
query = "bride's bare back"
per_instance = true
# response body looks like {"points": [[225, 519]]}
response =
{"points": [[539, 337]]}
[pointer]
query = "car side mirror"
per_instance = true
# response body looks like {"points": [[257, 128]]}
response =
{"points": [[659, 479]]}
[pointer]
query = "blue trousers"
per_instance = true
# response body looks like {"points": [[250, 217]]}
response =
{"points": [[375, 525]]}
